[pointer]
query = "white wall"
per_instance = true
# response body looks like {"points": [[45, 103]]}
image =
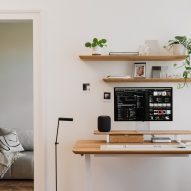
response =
{"points": [[16, 97], [126, 24]]}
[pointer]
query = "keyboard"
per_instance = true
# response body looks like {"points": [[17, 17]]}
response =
{"points": [[125, 147]]}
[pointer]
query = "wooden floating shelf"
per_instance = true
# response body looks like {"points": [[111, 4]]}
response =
{"points": [[155, 132], [131, 58], [134, 80]]}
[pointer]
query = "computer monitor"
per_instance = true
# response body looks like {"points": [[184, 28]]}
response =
{"points": [[143, 104]]}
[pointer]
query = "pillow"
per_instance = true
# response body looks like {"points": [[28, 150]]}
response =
{"points": [[26, 138], [5, 131], [10, 143]]}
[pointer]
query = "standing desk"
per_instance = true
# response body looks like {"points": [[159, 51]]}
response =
{"points": [[92, 147]]}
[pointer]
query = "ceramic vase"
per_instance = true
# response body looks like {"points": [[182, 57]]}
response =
{"points": [[179, 49], [96, 50]]}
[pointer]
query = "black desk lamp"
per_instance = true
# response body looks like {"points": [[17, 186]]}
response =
{"points": [[56, 143]]}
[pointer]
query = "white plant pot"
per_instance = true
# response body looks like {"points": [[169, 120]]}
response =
{"points": [[96, 50], [179, 49]]}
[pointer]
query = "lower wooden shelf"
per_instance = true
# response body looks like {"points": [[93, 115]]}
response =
{"points": [[131, 80], [133, 136], [154, 132]]}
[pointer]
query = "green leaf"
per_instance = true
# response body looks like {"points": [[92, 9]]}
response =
{"points": [[103, 41], [181, 38], [188, 68], [94, 44], [95, 40], [187, 62], [88, 44], [185, 74]]}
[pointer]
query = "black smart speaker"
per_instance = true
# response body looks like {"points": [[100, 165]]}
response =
{"points": [[104, 123]]}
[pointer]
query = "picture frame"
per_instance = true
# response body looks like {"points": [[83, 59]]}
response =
{"points": [[140, 70], [107, 95]]}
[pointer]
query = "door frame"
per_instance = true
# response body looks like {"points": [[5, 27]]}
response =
{"points": [[39, 133]]}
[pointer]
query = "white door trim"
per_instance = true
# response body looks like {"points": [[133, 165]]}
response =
{"points": [[39, 134]]}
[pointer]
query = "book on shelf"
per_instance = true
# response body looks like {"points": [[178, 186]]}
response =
{"points": [[120, 76], [161, 139], [123, 53]]}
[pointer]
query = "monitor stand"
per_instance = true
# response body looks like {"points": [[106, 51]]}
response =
{"points": [[143, 126]]}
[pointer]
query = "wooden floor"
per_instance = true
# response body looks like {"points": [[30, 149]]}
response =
{"points": [[16, 185]]}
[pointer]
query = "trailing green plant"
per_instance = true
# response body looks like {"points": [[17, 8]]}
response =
{"points": [[96, 42], [186, 42]]}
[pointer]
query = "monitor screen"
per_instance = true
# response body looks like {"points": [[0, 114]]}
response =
{"points": [[143, 104]]}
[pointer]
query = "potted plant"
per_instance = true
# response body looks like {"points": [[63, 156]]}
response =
{"points": [[176, 46], [186, 44], [96, 45]]}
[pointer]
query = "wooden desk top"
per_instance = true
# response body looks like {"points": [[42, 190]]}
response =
{"points": [[93, 147]]}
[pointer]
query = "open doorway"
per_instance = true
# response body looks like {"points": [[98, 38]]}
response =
{"points": [[16, 105], [30, 86]]}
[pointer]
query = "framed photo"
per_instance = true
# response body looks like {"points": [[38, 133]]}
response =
{"points": [[86, 87], [140, 70], [107, 95]]}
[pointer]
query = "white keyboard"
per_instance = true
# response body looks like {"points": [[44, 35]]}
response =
{"points": [[120, 147]]}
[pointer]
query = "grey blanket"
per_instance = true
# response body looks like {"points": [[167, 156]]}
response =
{"points": [[6, 160]]}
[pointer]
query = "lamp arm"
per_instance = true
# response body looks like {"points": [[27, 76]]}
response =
{"points": [[56, 142], [61, 119]]}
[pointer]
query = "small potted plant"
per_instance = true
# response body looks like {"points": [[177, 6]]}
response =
{"points": [[96, 45], [186, 44], [177, 47]]}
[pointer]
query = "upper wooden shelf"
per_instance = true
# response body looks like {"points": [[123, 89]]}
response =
{"points": [[134, 80], [131, 58], [155, 132]]}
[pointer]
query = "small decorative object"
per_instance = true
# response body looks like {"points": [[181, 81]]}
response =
{"points": [[144, 50], [123, 53], [153, 46], [140, 70], [173, 75], [156, 71], [186, 43], [96, 45], [164, 70]]}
